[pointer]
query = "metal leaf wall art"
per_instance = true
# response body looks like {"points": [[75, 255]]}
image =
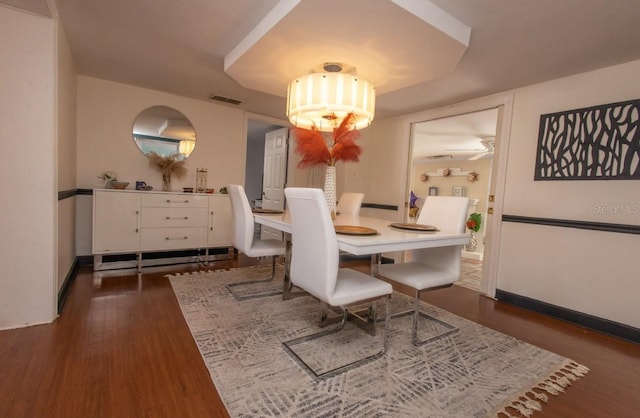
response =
{"points": [[594, 143]]}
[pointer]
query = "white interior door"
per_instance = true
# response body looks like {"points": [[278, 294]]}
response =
{"points": [[274, 176]]}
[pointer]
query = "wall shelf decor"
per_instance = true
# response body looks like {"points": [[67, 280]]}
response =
{"points": [[594, 143], [451, 172]]}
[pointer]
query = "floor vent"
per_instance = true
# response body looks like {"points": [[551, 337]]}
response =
{"points": [[223, 99]]}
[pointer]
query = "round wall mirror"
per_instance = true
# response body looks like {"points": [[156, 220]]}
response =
{"points": [[165, 131]]}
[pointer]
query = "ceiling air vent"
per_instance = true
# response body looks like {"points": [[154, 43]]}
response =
{"points": [[223, 99]]}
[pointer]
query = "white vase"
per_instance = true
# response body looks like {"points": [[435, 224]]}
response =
{"points": [[330, 189]]}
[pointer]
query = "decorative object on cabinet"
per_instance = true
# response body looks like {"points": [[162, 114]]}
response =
{"points": [[119, 185], [139, 222], [164, 131], [201, 180], [108, 177], [312, 146], [593, 143], [168, 166], [433, 191], [141, 185]]}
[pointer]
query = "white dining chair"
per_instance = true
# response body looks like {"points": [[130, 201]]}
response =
{"points": [[243, 232], [431, 268], [349, 204], [315, 266]]}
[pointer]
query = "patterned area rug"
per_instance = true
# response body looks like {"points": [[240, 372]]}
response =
{"points": [[473, 372]]}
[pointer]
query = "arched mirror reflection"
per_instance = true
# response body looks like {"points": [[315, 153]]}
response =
{"points": [[164, 131]]}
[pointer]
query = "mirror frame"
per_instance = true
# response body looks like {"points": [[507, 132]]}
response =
{"points": [[165, 131]]}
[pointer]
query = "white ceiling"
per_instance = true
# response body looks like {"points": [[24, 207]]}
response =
{"points": [[297, 37], [456, 137], [181, 47]]}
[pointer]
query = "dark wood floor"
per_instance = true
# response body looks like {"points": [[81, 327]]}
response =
{"points": [[121, 348]]}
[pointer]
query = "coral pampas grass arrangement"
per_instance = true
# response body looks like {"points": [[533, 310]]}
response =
{"points": [[313, 147]]}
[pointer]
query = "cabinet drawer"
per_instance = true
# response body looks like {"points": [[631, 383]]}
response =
{"points": [[174, 200], [173, 217], [173, 238]]}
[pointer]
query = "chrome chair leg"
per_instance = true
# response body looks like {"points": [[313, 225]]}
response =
{"points": [[230, 286], [273, 267], [416, 317], [345, 314], [323, 312], [386, 325], [416, 313]]}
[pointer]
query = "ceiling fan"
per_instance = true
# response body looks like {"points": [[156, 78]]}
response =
{"points": [[488, 149]]}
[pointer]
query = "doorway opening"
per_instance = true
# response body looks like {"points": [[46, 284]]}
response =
{"points": [[254, 163], [453, 156]]}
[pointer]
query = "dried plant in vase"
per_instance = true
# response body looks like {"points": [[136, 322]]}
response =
{"points": [[168, 166], [313, 147]]}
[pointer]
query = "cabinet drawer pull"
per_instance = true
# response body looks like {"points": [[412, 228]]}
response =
{"points": [[177, 201], [175, 238], [168, 218]]}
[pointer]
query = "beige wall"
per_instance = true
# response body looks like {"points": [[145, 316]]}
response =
{"points": [[587, 271], [106, 112], [27, 142], [66, 154], [381, 173]]}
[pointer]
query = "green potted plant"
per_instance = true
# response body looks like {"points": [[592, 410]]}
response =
{"points": [[473, 223]]}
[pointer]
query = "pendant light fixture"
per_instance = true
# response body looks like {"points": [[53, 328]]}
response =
{"points": [[323, 99]]}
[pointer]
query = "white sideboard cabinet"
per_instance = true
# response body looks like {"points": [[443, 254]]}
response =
{"points": [[135, 222]]}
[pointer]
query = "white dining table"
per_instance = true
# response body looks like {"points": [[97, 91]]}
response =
{"points": [[387, 238]]}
